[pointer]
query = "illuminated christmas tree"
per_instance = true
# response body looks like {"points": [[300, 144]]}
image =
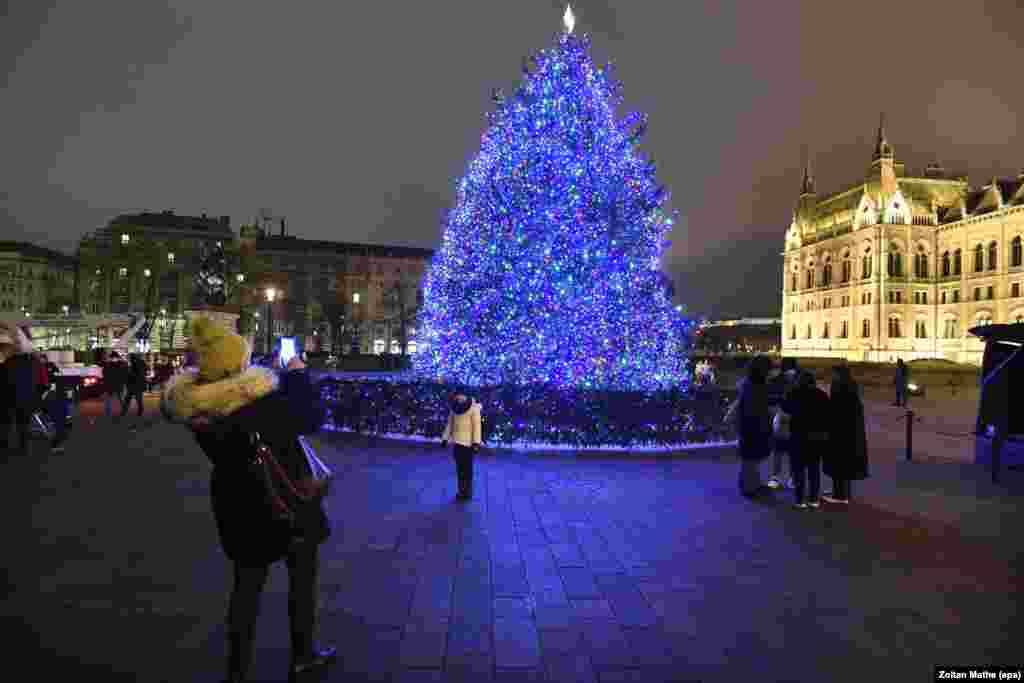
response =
{"points": [[548, 271]]}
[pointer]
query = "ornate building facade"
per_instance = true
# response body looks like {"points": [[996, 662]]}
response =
{"points": [[902, 266]]}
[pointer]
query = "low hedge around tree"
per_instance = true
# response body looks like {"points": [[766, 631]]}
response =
{"points": [[533, 414]]}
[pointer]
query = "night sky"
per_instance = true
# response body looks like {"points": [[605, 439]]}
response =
{"points": [[354, 119]]}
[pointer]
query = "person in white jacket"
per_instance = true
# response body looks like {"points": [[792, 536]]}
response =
{"points": [[464, 430]]}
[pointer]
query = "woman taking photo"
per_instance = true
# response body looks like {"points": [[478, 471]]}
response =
{"points": [[235, 412]]}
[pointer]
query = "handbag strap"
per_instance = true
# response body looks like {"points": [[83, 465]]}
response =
{"points": [[270, 461]]}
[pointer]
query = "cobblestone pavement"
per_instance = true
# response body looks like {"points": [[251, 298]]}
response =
{"points": [[561, 569]]}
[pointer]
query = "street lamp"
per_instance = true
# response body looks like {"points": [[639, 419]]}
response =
{"points": [[271, 295]]}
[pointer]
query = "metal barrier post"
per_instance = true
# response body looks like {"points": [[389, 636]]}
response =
{"points": [[910, 434]]}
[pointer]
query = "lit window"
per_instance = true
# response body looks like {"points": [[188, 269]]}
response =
{"points": [[170, 257], [147, 272], [125, 238], [355, 298], [240, 277], [123, 272]]}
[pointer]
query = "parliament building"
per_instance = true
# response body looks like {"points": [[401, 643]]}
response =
{"points": [[900, 266]]}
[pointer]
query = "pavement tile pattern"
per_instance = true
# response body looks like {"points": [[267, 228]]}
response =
{"points": [[595, 569]]}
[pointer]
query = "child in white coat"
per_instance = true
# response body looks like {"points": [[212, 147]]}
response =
{"points": [[464, 430]]}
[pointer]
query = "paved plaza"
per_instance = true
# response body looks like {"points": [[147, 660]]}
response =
{"points": [[611, 568]]}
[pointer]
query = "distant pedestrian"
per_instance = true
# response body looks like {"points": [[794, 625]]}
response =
{"points": [[464, 429], [751, 413], [114, 377], [846, 458], [228, 405], [779, 389], [135, 387], [901, 381], [809, 438], [20, 380]]}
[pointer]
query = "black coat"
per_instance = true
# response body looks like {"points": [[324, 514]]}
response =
{"points": [[809, 411], [755, 421], [137, 372], [847, 454], [19, 381], [248, 531]]}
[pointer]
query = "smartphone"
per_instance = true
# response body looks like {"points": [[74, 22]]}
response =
{"points": [[287, 350]]}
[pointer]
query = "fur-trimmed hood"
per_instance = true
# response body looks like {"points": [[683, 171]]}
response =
{"points": [[185, 398]]}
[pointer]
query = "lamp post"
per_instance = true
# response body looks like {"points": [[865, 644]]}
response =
{"points": [[271, 295]]}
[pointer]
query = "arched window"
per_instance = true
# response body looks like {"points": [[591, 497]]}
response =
{"points": [[848, 267], [979, 258], [993, 255], [792, 283], [951, 330], [792, 332], [958, 261], [865, 328], [827, 274], [895, 262], [810, 278], [1015, 251], [894, 328], [824, 331], [920, 329], [867, 265], [808, 330], [921, 264], [945, 264]]}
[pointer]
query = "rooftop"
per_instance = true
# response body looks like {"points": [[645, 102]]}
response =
{"points": [[27, 249], [289, 243]]}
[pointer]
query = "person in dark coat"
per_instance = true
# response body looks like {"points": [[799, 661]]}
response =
{"points": [[7, 350], [808, 407], [752, 414], [226, 403], [20, 380], [901, 382], [847, 457], [135, 387], [114, 380]]}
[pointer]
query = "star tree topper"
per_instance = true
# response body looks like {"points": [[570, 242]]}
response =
{"points": [[569, 19]]}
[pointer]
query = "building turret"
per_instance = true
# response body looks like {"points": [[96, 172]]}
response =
{"points": [[883, 164], [808, 201]]}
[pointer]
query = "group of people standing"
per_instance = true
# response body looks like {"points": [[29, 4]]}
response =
{"points": [[789, 415]]}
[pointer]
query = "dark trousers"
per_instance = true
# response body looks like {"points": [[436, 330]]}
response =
{"points": [[806, 466], [464, 468], [58, 408], [841, 489], [22, 415], [901, 396], [244, 607], [126, 400]]}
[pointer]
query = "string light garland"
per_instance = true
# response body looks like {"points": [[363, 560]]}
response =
{"points": [[548, 270], [515, 415]]}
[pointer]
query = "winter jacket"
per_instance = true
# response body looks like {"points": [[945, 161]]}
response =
{"points": [[755, 420], [19, 377], [137, 380], [464, 424], [279, 410], [847, 454], [809, 412]]}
